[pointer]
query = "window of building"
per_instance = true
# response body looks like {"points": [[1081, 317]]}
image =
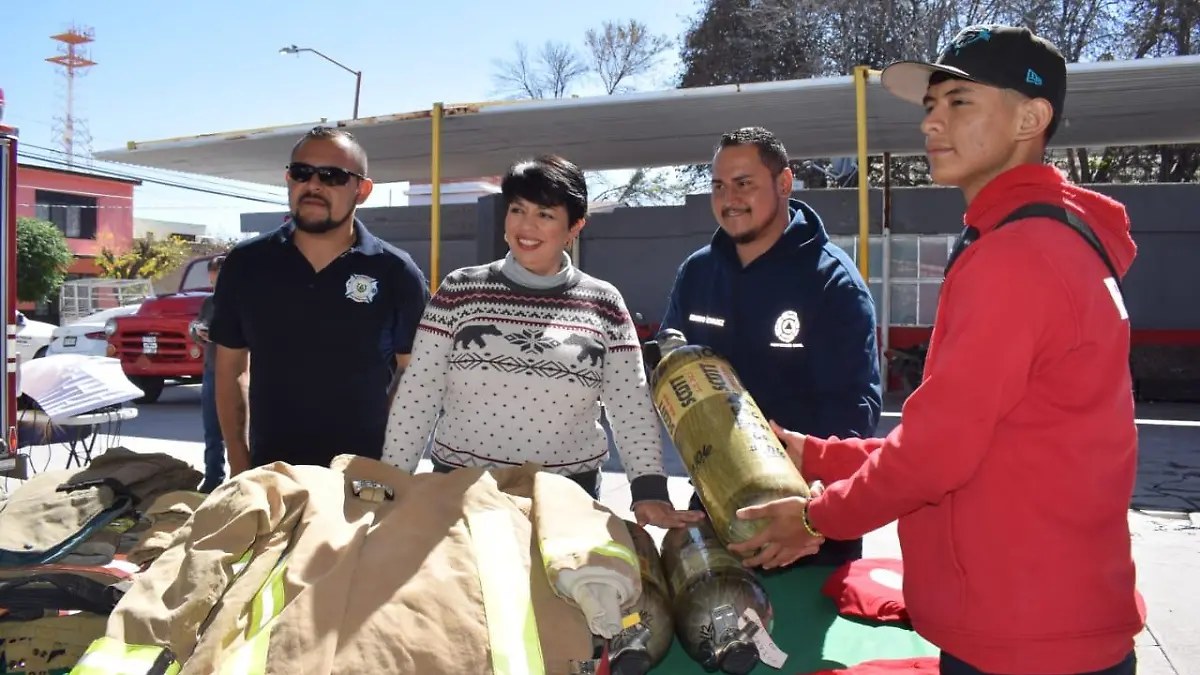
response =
{"points": [[917, 263], [74, 214]]}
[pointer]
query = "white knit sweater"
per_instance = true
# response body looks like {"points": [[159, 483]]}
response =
{"points": [[520, 373]]}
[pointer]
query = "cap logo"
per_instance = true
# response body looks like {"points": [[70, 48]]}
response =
{"points": [[969, 36], [1033, 78]]}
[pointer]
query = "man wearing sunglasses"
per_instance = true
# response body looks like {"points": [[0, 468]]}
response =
{"points": [[329, 312]]}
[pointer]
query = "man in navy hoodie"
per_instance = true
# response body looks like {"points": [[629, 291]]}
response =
{"points": [[786, 307]]}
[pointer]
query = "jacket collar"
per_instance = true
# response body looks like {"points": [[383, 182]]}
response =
{"points": [[805, 232], [364, 242]]}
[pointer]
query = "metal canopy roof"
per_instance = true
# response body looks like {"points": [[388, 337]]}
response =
{"points": [[1108, 103]]}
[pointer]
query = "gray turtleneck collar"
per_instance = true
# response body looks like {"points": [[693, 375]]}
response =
{"points": [[568, 275]]}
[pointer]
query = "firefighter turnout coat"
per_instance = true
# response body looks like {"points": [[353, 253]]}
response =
{"points": [[363, 568]]}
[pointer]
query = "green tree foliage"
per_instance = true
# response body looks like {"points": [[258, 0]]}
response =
{"points": [[744, 41], [42, 259], [147, 258]]}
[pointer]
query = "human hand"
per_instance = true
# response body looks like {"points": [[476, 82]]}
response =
{"points": [[662, 514], [793, 443], [785, 539]]}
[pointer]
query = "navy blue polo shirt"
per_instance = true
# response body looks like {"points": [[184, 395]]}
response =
{"points": [[323, 345], [797, 324]]}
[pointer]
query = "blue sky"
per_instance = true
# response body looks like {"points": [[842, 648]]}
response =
{"points": [[215, 66]]}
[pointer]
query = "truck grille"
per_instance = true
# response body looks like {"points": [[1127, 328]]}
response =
{"points": [[157, 345]]}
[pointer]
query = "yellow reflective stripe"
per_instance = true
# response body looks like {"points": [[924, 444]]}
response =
{"points": [[242, 562], [106, 656], [507, 605], [251, 657], [554, 548]]}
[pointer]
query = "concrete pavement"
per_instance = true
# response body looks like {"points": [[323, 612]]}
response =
{"points": [[1165, 520]]}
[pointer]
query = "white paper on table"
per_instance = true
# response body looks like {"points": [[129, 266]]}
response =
{"points": [[66, 385]]}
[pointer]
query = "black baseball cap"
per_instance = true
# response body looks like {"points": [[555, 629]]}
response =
{"points": [[1007, 57]]}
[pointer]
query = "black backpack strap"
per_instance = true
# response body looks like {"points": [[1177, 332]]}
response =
{"points": [[1039, 210], [965, 239]]}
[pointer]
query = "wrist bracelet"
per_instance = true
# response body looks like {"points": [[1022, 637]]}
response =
{"points": [[808, 524]]}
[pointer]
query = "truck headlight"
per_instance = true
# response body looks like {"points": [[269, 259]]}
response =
{"points": [[110, 327]]}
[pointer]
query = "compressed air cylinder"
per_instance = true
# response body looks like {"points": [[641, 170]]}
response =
{"points": [[727, 446], [711, 591], [644, 644]]}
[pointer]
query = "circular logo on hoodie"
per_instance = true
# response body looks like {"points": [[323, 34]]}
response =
{"points": [[787, 326]]}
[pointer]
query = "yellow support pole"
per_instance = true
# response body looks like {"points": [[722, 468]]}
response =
{"points": [[435, 206], [861, 73]]}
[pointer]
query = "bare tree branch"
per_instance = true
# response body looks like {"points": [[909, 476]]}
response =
{"points": [[549, 74], [517, 78], [561, 67], [649, 187], [623, 51]]}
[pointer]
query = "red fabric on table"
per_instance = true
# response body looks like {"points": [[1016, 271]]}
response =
{"points": [[870, 588]]}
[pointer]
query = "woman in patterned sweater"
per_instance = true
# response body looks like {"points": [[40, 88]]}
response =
{"points": [[520, 353]]}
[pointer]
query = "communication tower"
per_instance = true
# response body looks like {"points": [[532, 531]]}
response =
{"points": [[73, 53]]}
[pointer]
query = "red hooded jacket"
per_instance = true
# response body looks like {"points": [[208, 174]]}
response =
{"points": [[1013, 466]]}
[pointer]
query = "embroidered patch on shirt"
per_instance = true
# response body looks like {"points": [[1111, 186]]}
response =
{"points": [[361, 288]]}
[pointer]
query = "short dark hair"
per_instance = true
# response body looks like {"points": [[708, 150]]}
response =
{"points": [[548, 180], [215, 263], [770, 150], [336, 135], [939, 77]]}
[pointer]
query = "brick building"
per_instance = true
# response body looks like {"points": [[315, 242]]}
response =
{"points": [[94, 212]]}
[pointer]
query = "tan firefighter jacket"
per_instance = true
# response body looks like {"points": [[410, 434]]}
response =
{"points": [[363, 568]]}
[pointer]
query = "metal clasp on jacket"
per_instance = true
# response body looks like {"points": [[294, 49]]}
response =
{"points": [[588, 667], [372, 491]]}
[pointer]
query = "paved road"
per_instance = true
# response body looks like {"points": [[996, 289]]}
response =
{"points": [[1169, 445], [1165, 519]]}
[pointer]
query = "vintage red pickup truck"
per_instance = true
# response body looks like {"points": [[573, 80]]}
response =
{"points": [[155, 345]]}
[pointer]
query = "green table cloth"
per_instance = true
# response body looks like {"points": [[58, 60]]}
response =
{"points": [[810, 631]]}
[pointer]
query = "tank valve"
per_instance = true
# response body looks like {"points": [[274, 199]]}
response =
{"points": [[731, 649], [630, 651], [669, 340]]}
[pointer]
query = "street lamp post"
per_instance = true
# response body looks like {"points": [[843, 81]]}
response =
{"points": [[293, 49]]}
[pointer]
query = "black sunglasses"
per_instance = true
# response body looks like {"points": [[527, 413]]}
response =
{"points": [[332, 176]]}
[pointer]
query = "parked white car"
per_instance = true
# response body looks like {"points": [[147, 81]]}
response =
{"points": [[86, 336], [33, 337]]}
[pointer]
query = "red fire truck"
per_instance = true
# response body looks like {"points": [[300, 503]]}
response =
{"points": [[11, 464]]}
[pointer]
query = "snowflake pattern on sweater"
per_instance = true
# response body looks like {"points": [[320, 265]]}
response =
{"points": [[520, 374]]}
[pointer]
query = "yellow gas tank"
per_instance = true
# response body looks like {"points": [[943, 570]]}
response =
{"points": [[727, 446]]}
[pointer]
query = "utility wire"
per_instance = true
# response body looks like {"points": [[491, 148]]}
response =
{"points": [[125, 175], [58, 151], [175, 175], [155, 181], [139, 207]]}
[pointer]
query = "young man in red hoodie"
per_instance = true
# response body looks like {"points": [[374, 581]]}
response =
{"points": [[1013, 466]]}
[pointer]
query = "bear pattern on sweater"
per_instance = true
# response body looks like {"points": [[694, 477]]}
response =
{"points": [[520, 374]]}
